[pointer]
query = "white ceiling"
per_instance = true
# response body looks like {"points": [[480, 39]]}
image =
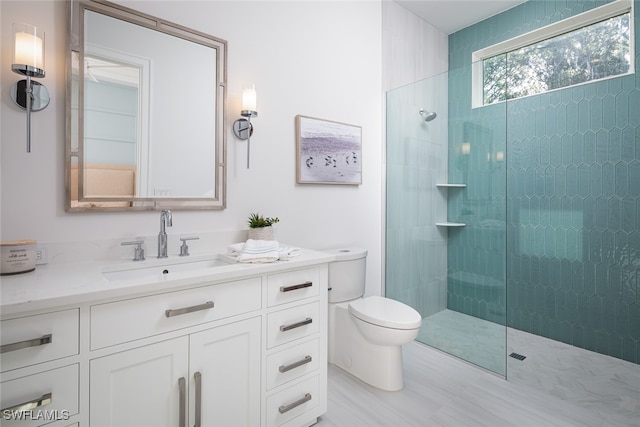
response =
{"points": [[453, 15]]}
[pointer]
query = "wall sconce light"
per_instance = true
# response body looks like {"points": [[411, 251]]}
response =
{"points": [[243, 128], [28, 60]]}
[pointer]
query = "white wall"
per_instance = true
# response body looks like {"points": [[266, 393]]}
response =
{"points": [[321, 59]]}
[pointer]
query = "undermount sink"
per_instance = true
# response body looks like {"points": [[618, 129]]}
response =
{"points": [[162, 271]]}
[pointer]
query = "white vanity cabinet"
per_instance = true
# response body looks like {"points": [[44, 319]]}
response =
{"points": [[208, 378], [244, 348], [296, 347], [40, 371]]}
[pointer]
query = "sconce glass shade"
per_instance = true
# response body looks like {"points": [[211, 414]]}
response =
{"points": [[28, 51], [249, 101]]}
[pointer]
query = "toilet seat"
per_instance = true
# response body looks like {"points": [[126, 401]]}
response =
{"points": [[385, 312]]}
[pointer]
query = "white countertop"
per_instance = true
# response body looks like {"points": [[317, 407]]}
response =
{"points": [[68, 283]]}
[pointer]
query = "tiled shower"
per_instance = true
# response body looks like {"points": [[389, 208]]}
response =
{"points": [[551, 206]]}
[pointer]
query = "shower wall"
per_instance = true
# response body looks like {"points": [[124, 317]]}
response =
{"points": [[572, 160]]}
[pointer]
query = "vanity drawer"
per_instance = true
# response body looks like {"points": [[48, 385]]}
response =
{"points": [[292, 363], [291, 324], [123, 321], [56, 391], [35, 339], [292, 402], [292, 286]]}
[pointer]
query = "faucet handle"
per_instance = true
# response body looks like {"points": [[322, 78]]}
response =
{"points": [[138, 252], [184, 248]]}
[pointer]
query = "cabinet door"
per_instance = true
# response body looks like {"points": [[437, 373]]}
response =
{"points": [[140, 387], [225, 375]]}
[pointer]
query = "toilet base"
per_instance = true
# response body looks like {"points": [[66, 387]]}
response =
{"points": [[377, 365]]}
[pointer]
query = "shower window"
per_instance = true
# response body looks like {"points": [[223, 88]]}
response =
{"points": [[594, 46]]}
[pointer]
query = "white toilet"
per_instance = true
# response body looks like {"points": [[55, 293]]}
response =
{"points": [[366, 334]]}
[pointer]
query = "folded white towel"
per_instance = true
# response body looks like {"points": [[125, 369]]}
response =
{"points": [[258, 251], [235, 249], [287, 253]]}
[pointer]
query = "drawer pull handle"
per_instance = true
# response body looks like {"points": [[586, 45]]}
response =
{"points": [[296, 287], [290, 406], [284, 328], [45, 339], [178, 311], [198, 379], [182, 409], [30, 405], [285, 368]]}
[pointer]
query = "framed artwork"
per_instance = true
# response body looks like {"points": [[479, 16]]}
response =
{"points": [[327, 152]]}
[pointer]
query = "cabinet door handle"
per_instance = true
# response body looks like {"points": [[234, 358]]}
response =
{"points": [[284, 328], [295, 287], [182, 409], [285, 368], [45, 339], [178, 311], [198, 379], [290, 406], [30, 405]]}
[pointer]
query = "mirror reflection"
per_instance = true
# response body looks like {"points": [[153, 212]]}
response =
{"points": [[142, 136]]}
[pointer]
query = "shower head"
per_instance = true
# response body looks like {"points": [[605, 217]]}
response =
{"points": [[427, 116]]}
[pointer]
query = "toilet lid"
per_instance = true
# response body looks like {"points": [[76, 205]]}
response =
{"points": [[385, 312]]}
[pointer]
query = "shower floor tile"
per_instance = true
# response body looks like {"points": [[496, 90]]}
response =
{"points": [[584, 378]]}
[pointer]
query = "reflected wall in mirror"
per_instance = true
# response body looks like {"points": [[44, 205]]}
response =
{"points": [[141, 134]]}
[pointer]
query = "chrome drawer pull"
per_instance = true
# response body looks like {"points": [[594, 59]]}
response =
{"points": [[182, 409], [295, 287], [45, 339], [198, 379], [178, 311], [284, 328], [287, 408], [285, 368], [31, 405]]}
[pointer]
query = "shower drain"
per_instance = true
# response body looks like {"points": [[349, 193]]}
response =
{"points": [[517, 356]]}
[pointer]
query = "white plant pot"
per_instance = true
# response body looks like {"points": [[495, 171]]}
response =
{"points": [[261, 233]]}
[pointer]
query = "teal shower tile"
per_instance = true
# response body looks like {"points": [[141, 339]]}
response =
{"points": [[584, 115], [634, 107], [628, 214], [621, 179], [615, 145], [589, 147], [596, 180], [584, 180], [616, 346], [634, 178], [608, 111], [614, 213], [595, 312], [622, 109], [602, 146], [630, 350], [602, 342], [628, 142], [572, 117], [602, 285], [596, 114], [608, 178]]}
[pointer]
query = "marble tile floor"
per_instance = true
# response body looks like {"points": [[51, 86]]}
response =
{"points": [[441, 390]]}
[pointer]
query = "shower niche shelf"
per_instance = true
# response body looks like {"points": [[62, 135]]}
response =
{"points": [[447, 223], [446, 185]]}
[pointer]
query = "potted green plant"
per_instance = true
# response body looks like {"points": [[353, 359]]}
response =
{"points": [[260, 227]]}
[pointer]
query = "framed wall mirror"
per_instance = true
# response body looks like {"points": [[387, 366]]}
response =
{"points": [[142, 133]]}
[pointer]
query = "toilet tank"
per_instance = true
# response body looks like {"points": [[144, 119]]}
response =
{"points": [[347, 274]]}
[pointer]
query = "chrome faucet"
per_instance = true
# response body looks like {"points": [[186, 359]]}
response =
{"points": [[165, 221]]}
